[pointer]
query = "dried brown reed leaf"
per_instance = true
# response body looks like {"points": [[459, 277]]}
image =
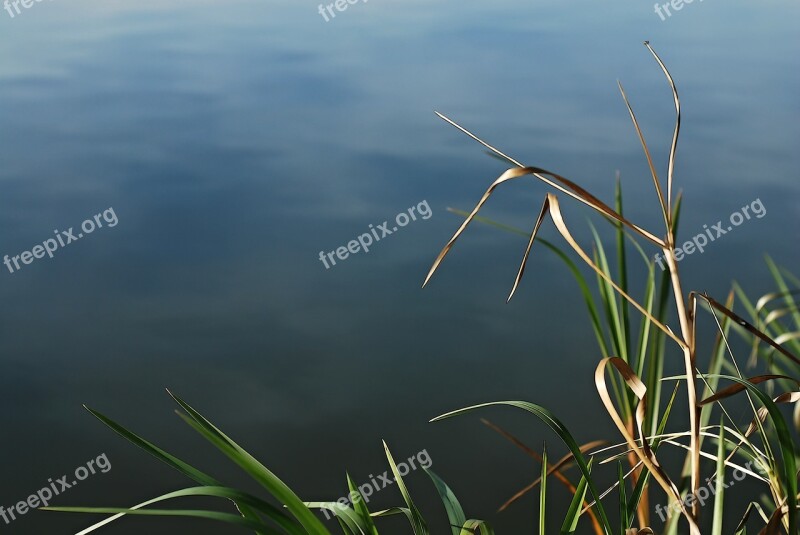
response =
{"points": [[737, 388], [693, 296], [676, 133], [665, 211], [762, 413], [563, 185], [641, 447]]}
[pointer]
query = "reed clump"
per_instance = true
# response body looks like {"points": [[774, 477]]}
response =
{"points": [[633, 394]]}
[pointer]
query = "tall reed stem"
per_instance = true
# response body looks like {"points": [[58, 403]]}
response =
{"points": [[689, 360]]}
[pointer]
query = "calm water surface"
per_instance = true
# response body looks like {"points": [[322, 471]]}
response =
{"points": [[235, 141]]}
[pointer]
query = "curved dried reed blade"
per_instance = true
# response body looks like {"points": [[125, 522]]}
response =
{"points": [[747, 512], [786, 397], [664, 210], [744, 324], [676, 133], [737, 388], [479, 140], [643, 451], [511, 174], [542, 213], [563, 185], [590, 200], [558, 219]]}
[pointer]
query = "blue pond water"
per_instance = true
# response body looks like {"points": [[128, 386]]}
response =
{"points": [[234, 142]]}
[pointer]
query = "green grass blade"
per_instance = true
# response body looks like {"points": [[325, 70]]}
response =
{"points": [[360, 507], [655, 370], [155, 451], [396, 511], [643, 341], [455, 513], [609, 295], [471, 527], [622, 265], [344, 514], [168, 459], [576, 505], [623, 501], [543, 494], [273, 513], [255, 469], [417, 522], [190, 513], [392, 511]]}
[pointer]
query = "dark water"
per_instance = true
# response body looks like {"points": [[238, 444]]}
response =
{"points": [[235, 141]]}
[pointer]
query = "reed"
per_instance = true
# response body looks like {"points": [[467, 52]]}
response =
{"points": [[633, 395]]}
